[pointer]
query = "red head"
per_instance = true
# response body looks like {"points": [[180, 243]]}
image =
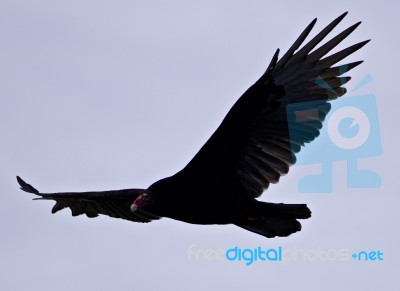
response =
{"points": [[142, 201]]}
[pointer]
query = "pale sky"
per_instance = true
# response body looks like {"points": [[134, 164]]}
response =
{"points": [[99, 95]]}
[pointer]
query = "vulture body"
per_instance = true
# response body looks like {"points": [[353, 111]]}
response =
{"points": [[251, 149]]}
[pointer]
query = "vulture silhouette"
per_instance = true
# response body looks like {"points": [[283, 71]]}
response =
{"points": [[251, 148]]}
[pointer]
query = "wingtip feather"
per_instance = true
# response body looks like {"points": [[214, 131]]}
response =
{"points": [[26, 187], [343, 15]]}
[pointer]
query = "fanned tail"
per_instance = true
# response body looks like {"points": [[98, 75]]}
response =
{"points": [[271, 219]]}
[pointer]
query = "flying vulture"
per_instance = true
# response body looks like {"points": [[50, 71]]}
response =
{"points": [[253, 147]]}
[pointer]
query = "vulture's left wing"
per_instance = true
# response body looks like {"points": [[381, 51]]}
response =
{"points": [[114, 203]]}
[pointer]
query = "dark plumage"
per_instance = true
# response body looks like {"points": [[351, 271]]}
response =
{"points": [[250, 149]]}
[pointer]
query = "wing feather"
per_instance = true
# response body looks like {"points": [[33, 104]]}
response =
{"points": [[112, 203], [253, 142]]}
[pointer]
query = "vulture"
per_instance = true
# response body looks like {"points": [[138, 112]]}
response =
{"points": [[254, 146]]}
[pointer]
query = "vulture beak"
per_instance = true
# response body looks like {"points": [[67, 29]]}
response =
{"points": [[134, 207]]}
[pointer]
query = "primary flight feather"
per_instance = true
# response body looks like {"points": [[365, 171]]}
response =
{"points": [[251, 149]]}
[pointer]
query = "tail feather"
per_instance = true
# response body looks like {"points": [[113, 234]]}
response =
{"points": [[272, 227], [271, 219], [281, 210]]}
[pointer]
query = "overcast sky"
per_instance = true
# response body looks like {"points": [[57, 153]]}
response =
{"points": [[99, 95]]}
